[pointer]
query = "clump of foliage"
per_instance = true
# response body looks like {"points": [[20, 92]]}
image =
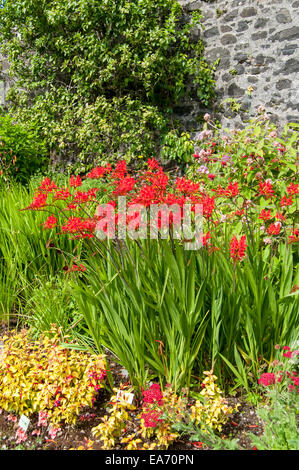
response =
{"points": [[178, 148], [279, 414], [22, 151], [112, 426], [164, 416], [100, 78], [43, 376]]}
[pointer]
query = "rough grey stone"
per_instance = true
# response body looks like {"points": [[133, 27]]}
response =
{"points": [[283, 16], [225, 28], [283, 84], [292, 105], [256, 70], [230, 16], [286, 34], [261, 22], [235, 91], [227, 77], [242, 26], [291, 66], [182, 110], [241, 57], [240, 69], [209, 33], [249, 11], [261, 35], [260, 59], [228, 39], [289, 49], [252, 79], [219, 53]]}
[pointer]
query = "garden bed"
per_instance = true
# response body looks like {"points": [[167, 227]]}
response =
{"points": [[80, 436]]}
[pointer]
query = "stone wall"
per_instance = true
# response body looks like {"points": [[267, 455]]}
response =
{"points": [[257, 44]]}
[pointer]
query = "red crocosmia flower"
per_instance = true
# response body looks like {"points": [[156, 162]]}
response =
{"points": [[153, 164], [51, 222], [288, 354], [231, 191], [265, 215], [146, 196], [99, 172], [237, 248], [186, 186], [206, 238], [47, 186], [239, 213], [174, 199], [279, 216], [211, 176], [40, 200], [77, 268], [75, 181], [62, 194], [81, 197], [159, 181], [293, 189], [286, 201], [83, 227], [267, 379], [265, 189], [71, 207], [120, 170], [294, 237], [124, 186], [296, 381], [208, 204], [274, 228]]}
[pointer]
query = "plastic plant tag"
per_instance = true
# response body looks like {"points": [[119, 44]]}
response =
{"points": [[125, 396], [24, 423]]}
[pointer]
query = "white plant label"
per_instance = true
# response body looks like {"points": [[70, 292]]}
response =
{"points": [[24, 423], [125, 396]]}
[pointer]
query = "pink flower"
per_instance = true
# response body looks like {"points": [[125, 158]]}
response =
{"points": [[267, 379], [53, 432], [21, 435], [42, 418]]}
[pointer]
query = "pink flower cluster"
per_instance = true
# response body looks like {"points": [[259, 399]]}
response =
{"points": [[271, 378], [153, 396]]}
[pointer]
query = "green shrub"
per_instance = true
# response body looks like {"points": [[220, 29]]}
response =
{"points": [[100, 78], [22, 152]]}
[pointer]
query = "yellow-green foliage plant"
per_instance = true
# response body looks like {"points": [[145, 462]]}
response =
{"points": [[43, 376]]}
